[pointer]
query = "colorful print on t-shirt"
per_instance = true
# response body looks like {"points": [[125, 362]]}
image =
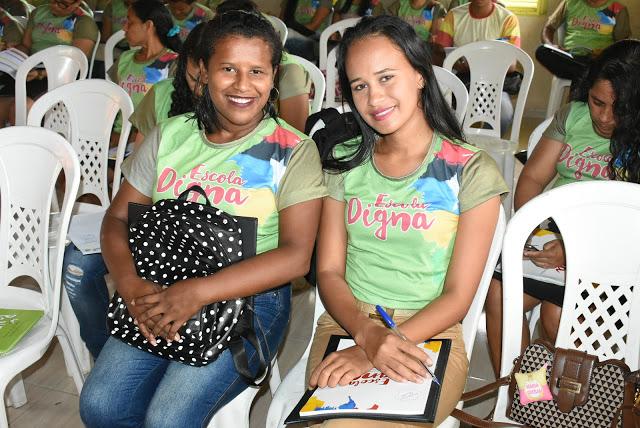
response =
{"points": [[590, 27], [197, 15], [241, 178], [409, 223]]}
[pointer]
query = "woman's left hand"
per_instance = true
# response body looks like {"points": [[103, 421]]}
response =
{"points": [[550, 257], [340, 368], [175, 305]]}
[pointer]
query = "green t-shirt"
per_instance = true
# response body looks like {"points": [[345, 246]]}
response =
{"points": [[420, 19], [591, 27], [116, 10], [585, 155], [154, 107], [293, 79], [49, 30], [268, 170], [401, 231], [198, 14], [11, 31], [307, 8], [137, 78]]}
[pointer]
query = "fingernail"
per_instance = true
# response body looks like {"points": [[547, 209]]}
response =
{"points": [[133, 302], [419, 380]]}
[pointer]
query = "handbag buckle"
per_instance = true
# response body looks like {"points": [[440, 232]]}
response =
{"points": [[570, 385]]}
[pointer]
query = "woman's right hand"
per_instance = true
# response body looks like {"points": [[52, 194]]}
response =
{"points": [[137, 287], [399, 359]]}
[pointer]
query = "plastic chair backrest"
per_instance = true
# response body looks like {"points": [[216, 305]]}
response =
{"points": [[280, 26], [450, 84], [338, 27], [109, 48], [536, 135], [22, 20], [92, 106], [489, 61], [317, 78], [29, 240], [93, 56], [64, 64], [331, 73], [601, 309]]}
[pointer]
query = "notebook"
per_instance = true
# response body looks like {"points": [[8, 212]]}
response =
{"points": [[14, 324], [375, 396]]}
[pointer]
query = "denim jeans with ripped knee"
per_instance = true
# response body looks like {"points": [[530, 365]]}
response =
{"points": [[83, 278]]}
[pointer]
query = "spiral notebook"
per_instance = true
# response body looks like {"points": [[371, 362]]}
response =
{"points": [[375, 396]]}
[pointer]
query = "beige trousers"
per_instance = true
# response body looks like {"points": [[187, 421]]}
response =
{"points": [[452, 386]]}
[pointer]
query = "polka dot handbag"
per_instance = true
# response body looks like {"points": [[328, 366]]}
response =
{"points": [[176, 239]]}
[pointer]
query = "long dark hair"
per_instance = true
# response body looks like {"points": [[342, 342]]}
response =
{"points": [[620, 65], [233, 23], [437, 112], [182, 99], [156, 12]]}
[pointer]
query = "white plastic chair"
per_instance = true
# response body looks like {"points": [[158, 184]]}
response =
{"points": [[93, 55], [450, 84], [331, 73], [236, 413], [28, 249], [317, 78], [280, 26], [292, 386], [536, 135], [109, 51], [338, 27], [64, 64], [489, 61], [558, 85], [601, 309], [91, 106]]}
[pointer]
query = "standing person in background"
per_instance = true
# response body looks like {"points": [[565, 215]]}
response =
{"points": [[425, 16], [410, 164], [149, 27], [475, 21], [590, 26], [186, 14], [305, 19]]}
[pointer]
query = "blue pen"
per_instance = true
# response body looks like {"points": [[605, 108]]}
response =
{"points": [[389, 322]]}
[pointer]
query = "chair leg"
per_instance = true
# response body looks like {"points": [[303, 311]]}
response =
{"points": [[4, 421], [17, 395], [72, 329], [73, 366], [274, 381]]}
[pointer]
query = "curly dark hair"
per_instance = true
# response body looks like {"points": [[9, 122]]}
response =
{"points": [[182, 99], [620, 65], [436, 111], [233, 23]]}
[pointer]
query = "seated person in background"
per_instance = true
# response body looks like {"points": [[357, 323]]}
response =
{"points": [[211, 4], [148, 27], [60, 22], [595, 137], [425, 16], [186, 14], [293, 82], [16, 7], [353, 9], [475, 21], [10, 36], [114, 18], [590, 26], [305, 19], [426, 276]]}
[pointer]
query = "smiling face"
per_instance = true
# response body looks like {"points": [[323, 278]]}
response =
{"points": [[601, 102], [239, 76], [385, 87]]}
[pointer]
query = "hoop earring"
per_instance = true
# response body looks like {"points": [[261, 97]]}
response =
{"points": [[273, 98]]}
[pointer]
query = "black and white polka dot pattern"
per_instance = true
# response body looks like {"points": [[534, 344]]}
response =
{"points": [[176, 240]]}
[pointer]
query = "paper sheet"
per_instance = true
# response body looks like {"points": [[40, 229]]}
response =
{"points": [[84, 231]]}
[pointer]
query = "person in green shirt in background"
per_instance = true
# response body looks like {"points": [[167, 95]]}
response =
{"points": [[305, 19], [595, 137], [591, 26], [425, 16], [186, 14], [114, 17], [150, 28]]}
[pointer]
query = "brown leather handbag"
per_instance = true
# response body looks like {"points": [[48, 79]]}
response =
{"points": [[585, 391]]}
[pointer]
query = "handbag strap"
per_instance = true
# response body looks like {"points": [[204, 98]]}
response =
{"points": [[197, 189], [475, 421]]}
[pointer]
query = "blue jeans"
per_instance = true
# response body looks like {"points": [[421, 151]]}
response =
{"points": [[133, 388], [83, 278]]}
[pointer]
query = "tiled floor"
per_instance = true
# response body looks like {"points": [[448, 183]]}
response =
{"points": [[53, 399]]}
